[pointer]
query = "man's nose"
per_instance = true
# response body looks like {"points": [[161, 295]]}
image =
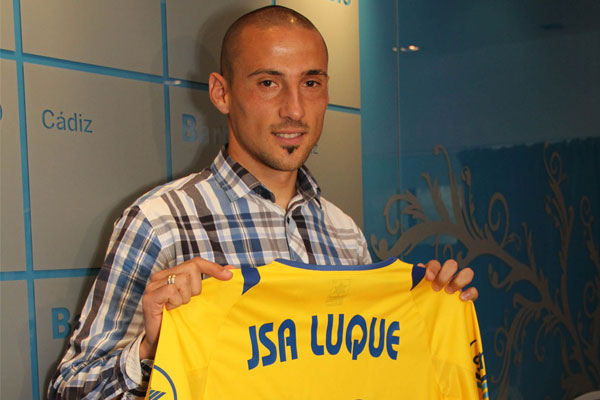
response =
{"points": [[292, 106]]}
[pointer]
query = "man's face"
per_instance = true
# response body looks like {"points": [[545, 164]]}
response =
{"points": [[277, 97]]}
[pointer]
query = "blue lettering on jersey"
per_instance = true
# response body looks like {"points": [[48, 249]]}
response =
{"points": [[355, 347], [268, 343], [376, 351], [317, 349], [288, 340], [391, 340], [286, 335], [253, 361], [479, 376], [355, 335], [333, 349]]}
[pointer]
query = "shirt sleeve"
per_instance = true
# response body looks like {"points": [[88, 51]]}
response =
{"points": [[99, 361], [365, 256]]}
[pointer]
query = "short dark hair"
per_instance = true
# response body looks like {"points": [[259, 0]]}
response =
{"points": [[264, 17]]}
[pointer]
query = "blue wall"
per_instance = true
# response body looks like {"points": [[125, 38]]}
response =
{"points": [[497, 134]]}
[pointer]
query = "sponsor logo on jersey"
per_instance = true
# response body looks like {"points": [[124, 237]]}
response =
{"points": [[162, 386], [480, 375], [155, 394]]}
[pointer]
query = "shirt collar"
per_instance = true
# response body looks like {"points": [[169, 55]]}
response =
{"points": [[307, 186], [238, 182]]}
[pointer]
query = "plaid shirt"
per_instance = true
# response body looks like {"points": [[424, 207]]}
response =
{"points": [[222, 214]]}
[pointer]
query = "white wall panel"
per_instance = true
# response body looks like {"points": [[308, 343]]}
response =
{"points": [[7, 30], [95, 143], [112, 33], [58, 304], [336, 163], [198, 130], [195, 31], [12, 236], [15, 354], [338, 23]]}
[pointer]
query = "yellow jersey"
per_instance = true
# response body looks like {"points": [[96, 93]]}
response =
{"points": [[288, 330]]}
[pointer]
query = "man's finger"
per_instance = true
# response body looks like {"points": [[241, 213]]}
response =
{"points": [[195, 268], [211, 269], [460, 280], [182, 283], [469, 294], [444, 275], [433, 268]]}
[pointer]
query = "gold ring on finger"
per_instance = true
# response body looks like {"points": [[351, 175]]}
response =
{"points": [[171, 279]]}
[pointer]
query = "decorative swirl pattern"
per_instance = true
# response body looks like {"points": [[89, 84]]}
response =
{"points": [[543, 312]]}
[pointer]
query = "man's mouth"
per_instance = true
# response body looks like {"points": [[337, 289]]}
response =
{"points": [[288, 135]]}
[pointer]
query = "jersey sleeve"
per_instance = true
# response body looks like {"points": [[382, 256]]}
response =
{"points": [[455, 342]]}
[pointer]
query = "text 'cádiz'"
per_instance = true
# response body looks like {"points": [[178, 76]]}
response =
{"points": [[71, 122]]}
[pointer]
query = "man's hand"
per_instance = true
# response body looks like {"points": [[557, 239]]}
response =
{"points": [[446, 276], [186, 282]]}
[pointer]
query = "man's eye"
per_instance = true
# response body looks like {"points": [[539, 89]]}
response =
{"points": [[267, 83], [312, 83]]}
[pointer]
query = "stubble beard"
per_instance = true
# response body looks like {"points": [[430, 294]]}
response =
{"points": [[278, 164], [281, 164]]}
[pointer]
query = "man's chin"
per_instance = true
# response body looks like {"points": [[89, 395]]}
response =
{"points": [[290, 149], [291, 161]]}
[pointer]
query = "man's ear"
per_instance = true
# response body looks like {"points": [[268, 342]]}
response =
{"points": [[218, 91]]}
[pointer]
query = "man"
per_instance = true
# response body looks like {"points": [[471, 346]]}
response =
{"points": [[256, 202]]}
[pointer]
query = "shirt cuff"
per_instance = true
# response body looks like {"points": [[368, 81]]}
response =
{"points": [[137, 371]]}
